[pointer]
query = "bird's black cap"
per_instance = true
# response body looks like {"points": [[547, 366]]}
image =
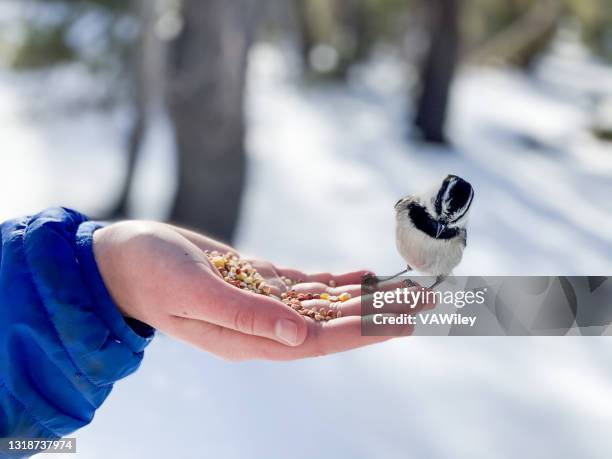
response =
{"points": [[454, 198]]}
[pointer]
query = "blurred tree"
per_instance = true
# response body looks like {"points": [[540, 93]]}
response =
{"points": [[524, 30], [323, 37], [96, 33], [595, 18], [437, 69], [42, 46], [117, 41], [207, 65], [354, 35], [112, 38], [145, 81], [336, 34]]}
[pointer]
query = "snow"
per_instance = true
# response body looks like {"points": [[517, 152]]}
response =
{"points": [[326, 165]]}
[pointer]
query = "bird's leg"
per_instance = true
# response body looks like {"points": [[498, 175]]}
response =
{"points": [[439, 280], [370, 279], [408, 268], [369, 282]]}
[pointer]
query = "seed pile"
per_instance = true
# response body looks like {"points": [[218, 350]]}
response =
{"points": [[294, 301], [238, 272], [241, 274]]}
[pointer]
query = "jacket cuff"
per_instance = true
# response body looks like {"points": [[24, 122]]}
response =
{"points": [[99, 346], [135, 334]]}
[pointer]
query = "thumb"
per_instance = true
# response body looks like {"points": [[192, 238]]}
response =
{"points": [[247, 312]]}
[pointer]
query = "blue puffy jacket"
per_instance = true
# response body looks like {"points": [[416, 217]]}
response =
{"points": [[63, 343]]}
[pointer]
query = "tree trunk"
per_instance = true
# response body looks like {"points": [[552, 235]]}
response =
{"points": [[346, 29], [352, 22], [524, 39], [207, 65], [307, 36], [438, 69], [144, 78]]}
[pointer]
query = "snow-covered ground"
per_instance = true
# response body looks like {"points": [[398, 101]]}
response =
{"points": [[326, 166]]}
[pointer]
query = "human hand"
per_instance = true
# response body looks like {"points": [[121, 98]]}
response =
{"points": [[159, 274]]}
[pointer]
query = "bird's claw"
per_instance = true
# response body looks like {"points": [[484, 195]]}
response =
{"points": [[369, 281], [409, 283]]}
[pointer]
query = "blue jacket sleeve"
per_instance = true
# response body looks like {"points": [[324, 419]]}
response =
{"points": [[63, 342]]}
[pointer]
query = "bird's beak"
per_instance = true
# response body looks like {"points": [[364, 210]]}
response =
{"points": [[439, 229]]}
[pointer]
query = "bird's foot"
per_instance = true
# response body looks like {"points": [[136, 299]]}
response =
{"points": [[369, 281], [439, 280], [409, 283]]}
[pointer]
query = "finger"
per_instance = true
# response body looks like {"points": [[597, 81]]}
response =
{"points": [[354, 292], [323, 338], [378, 324], [275, 290], [293, 274], [265, 268], [244, 311], [319, 287], [343, 334], [412, 305], [311, 287], [354, 305], [353, 289], [353, 277], [272, 278], [224, 342]]}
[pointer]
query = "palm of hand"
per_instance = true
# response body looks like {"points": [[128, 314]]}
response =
{"points": [[160, 275]]}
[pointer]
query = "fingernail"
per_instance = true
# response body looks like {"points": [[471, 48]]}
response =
{"points": [[287, 331]]}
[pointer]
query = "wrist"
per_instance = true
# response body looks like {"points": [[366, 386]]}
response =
{"points": [[91, 237], [105, 254]]}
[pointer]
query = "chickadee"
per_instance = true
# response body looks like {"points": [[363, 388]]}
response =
{"points": [[430, 231]]}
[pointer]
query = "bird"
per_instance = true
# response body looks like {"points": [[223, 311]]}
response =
{"points": [[430, 229]]}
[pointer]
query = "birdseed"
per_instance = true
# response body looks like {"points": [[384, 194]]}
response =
{"points": [[243, 275]]}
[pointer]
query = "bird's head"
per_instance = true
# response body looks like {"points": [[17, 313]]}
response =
{"points": [[442, 211], [451, 203]]}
